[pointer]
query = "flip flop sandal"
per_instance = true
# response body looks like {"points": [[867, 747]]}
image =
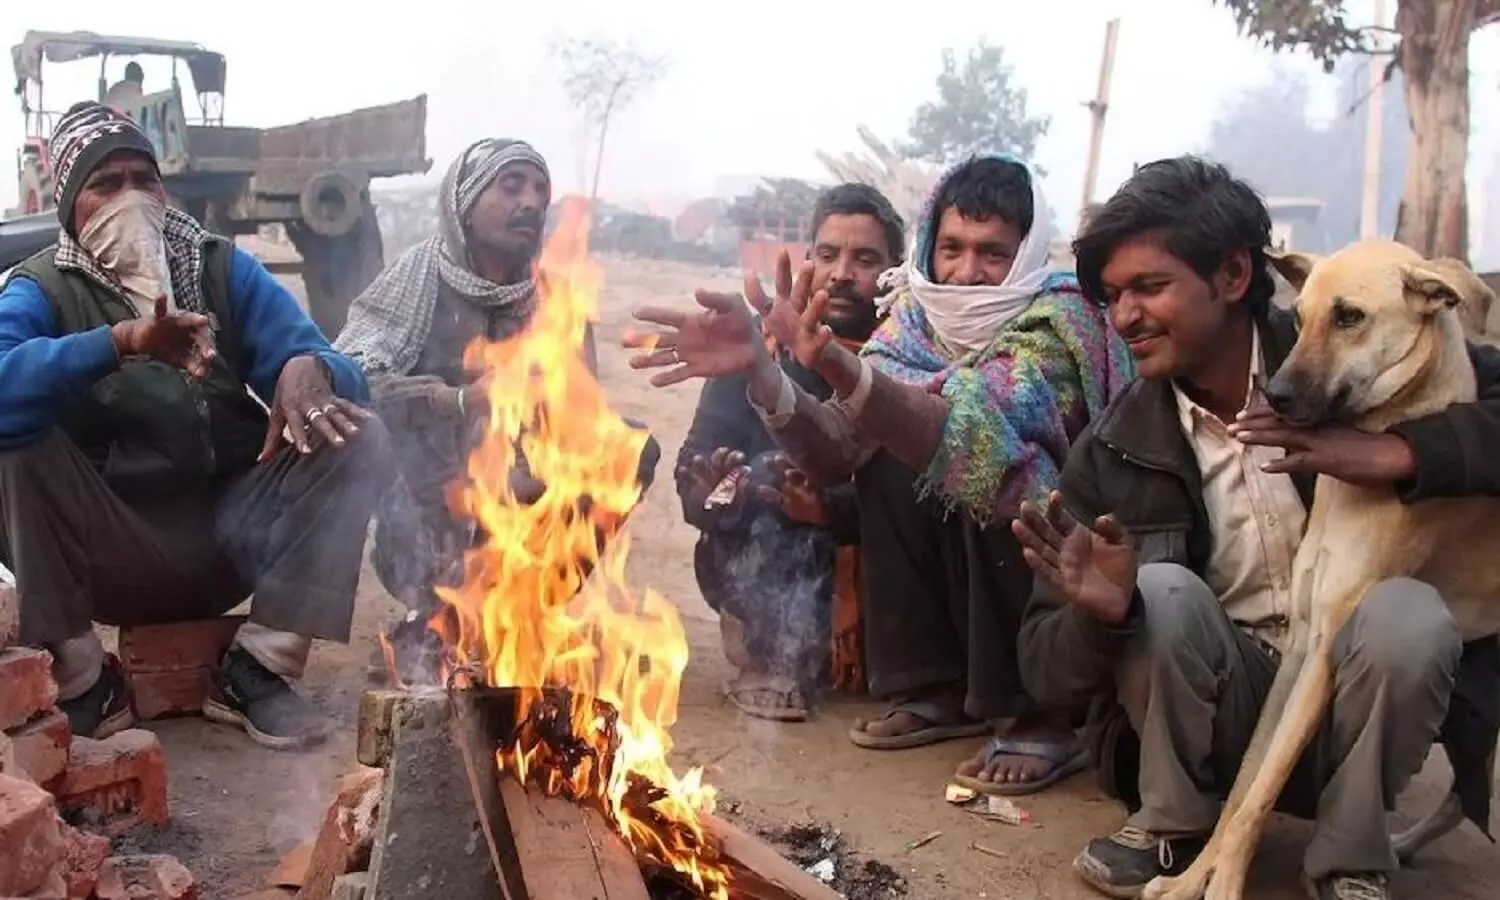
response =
{"points": [[1066, 760], [944, 723], [786, 713]]}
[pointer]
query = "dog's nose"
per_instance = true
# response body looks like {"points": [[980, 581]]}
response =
{"points": [[1279, 394]]}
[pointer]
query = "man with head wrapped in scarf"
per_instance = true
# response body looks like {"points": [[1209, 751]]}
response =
{"points": [[961, 405], [409, 330], [140, 481]]}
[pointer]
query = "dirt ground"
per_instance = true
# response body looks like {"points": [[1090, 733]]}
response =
{"points": [[238, 807]]}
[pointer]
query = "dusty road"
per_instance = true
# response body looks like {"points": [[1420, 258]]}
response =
{"points": [[238, 807]]}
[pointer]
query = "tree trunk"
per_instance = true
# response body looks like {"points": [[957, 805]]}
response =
{"points": [[1434, 59], [609, 108]]}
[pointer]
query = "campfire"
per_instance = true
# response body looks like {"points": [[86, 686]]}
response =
{"points": [[569, 676]]}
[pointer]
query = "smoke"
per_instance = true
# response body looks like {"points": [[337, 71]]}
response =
{"points": [[778, 580]]}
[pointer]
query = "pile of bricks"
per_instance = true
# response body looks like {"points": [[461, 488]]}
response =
{"points": [[63, 798]]}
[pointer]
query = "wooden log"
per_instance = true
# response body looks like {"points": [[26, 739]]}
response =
{"points": [[758, 872], [565, 851]]}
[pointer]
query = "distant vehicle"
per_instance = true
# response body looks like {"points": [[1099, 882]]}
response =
{"points": [[312, 177]]}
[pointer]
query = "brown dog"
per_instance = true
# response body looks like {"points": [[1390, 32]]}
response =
{"points": [[1381, 342]]}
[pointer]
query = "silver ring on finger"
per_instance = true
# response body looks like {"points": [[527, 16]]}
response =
{"points": [[314, 414], [329, 408], [676, 357]]}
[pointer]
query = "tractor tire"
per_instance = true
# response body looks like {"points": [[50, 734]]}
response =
{"points": [[331, 204], [336, 269]]}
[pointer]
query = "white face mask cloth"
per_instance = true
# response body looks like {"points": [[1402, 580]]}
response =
{"points": [[126, 238]]}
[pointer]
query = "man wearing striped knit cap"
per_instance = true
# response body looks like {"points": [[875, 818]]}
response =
{"points": [[140, 479]]}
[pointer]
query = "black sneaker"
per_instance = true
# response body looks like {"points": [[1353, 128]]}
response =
{"points": [[1122, 864], [1366, 886], [103, 709], [247, 694]]}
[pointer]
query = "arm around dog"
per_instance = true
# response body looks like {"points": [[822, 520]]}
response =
{"points": [[1065, 653], [1457, 451]]}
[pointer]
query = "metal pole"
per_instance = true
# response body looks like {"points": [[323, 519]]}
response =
{"points": [[1099, 106], [1369, 208]]}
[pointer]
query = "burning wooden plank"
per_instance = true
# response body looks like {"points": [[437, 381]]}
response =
{"points": [[758, 872], [565, 851]]}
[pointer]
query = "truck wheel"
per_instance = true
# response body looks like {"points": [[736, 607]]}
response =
{"points": [[336, 269], [331, 203]]}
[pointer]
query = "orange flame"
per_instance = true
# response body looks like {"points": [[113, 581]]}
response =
{"points": [[541, 607]]}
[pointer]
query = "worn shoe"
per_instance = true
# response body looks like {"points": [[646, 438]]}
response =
{"points": [[1370, 886], [1122, 864], [246, 694], [103, 709]]}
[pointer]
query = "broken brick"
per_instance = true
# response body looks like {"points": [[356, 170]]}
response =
{"points": [[145, 877], [116, 784], [42, 747], [174, 646], [83, 861], [10, 615], [31, 835], [26, 686], [169, 666], [348, 833]]}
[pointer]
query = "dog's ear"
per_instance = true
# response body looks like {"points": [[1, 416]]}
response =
{"points": [[1294, 267], [1475, 296], [1434, 284]]}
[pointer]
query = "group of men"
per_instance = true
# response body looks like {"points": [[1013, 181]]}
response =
{"points": [[1017, 502]]}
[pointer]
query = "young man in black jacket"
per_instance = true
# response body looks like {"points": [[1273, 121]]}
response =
{"points": [[1170, 608], [770, 538]]}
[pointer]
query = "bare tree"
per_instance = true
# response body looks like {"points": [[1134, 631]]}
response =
{"points": [[602, 77], [1432, 52]]}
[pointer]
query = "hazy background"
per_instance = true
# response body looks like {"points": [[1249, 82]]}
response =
{"points": [[751, 90]]}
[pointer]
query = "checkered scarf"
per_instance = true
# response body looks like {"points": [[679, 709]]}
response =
{"points": [[83, 138], [389, 322]]}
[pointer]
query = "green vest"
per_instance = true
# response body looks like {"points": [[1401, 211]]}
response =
{"points": [[148, 426]]}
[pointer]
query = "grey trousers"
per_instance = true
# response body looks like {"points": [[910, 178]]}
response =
{"points": [[1193, 684], [291, 530]]}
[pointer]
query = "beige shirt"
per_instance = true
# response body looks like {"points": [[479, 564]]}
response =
{"points": [[1257, 517]]}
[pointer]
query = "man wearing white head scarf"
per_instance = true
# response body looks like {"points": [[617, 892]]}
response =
{"points": [[961, 405], [408, 330]]}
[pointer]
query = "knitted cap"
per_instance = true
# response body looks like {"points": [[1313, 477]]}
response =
{"points": [[83, 137]]}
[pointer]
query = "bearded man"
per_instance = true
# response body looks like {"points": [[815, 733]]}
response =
{"points": [[409, 329], [140, 481], [773, 544], [960, 406]]}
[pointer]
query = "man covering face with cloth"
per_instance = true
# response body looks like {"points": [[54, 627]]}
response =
{"points": [[409, 329], [140, 481]]}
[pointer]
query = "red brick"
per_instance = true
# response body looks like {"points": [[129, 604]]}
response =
{"points": [[26, 686], [10, 615], [348, 833], [116, 784], [31, 835], [42, 747], [199, 644], [83, 861], [9, 765], [175, 693], [145, 877]]}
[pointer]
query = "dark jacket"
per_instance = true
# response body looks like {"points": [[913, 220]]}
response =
{"points": [[144, 424], [1134, 462]]}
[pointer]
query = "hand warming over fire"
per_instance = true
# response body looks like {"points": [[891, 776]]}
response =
{"points": [[722, 339], [795, 317]]}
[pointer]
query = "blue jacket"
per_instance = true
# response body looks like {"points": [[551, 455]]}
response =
{"points": [[40, 368]]}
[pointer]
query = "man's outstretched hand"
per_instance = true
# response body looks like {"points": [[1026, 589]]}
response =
{"points": [[306, 408], [704, 473], [180, 339], [795, 316], [1094, 568], [722, 339]]}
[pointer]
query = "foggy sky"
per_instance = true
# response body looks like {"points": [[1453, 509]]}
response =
{"points": [[749, 93]]}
